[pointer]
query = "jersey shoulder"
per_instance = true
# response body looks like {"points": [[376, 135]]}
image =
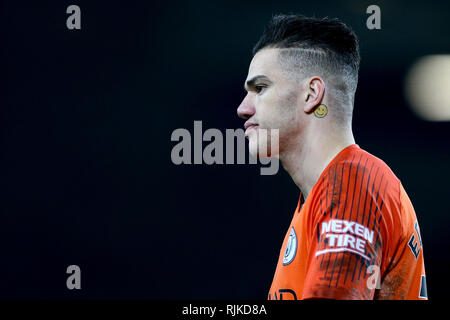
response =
{"points": [[357, 182], [356, 165]]}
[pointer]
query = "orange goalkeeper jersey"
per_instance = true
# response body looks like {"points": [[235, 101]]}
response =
{"points": [[355, 237]]}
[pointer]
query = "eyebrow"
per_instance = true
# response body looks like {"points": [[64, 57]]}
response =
{"points": [[250, 83]]}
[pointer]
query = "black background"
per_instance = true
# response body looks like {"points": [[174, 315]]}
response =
{"points": [[87, 117]]}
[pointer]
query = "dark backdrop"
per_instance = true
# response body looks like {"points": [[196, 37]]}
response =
{"points": [[87, 117]]}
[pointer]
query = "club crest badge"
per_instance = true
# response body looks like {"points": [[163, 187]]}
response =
{"points": [[291, 248]]}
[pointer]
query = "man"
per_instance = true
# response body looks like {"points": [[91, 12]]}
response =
{"points": [[354, 234]]}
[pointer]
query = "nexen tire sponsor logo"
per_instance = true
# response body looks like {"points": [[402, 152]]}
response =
{"points": [[343, 235]]}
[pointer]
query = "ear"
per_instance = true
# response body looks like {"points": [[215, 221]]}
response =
{"points": [[315, 90]]}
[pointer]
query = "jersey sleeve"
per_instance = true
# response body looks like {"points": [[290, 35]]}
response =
{"points": [[346, 235], [405, 278]]}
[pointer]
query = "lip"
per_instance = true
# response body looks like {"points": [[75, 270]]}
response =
{"points": [[249, 126]]}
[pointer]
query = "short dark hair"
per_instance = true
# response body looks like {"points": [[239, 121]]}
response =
{"points": [[298, 31], [318, 45]]}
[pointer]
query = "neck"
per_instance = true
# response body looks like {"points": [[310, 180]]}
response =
{"points": [[306, 160]]}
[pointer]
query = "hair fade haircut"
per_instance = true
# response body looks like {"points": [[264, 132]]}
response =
{"points": [[312, 46]]}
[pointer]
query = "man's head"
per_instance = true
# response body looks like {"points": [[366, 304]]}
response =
{"points": [[299, 64]]}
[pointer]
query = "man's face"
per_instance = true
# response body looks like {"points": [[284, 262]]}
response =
{"points": [[271, 103]]}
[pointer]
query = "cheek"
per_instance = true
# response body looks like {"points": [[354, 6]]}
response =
{"points": [[284, 113], [268, 109], [276, 109]]}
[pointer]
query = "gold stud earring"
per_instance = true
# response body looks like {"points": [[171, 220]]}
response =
{"points": [[321, 111]]}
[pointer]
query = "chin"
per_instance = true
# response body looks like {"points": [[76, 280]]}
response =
{"points": [[253, 146], [260, 147]]}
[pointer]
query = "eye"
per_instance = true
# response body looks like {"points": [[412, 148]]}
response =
{"points": [[259, 88]]}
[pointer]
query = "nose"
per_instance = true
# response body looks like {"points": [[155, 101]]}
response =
{"points": [[247, 108]]}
